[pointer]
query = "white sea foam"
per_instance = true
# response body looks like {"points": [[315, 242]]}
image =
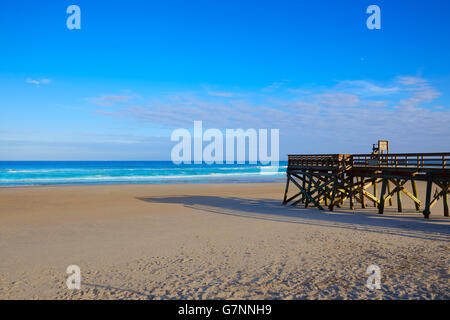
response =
{"points": [[74, 170], [132, 178]]}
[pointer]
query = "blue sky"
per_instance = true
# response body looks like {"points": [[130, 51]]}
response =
{"points": [[136, 70]]}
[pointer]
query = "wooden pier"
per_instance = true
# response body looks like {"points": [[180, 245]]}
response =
{"points": [[328, 180]]}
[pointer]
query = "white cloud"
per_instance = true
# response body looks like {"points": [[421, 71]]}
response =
{"points": [[376, 104], [220, 94], [109, 100], [337, 99], [365, 88], [409, 81], [422, 95], [38, 82], [317, 116], [275, 85], [32, 81], [298, 91]]}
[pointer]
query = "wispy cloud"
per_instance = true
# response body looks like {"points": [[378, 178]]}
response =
{"points": [[422, 95], [109, 100], [365, 88], [182, 109], [338, 99], [420, 91], [408, 80], [315, 115], [298, 91], [38, 82], [275, 85], [220, 94]]}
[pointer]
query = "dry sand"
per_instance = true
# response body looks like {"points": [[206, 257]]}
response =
{"points": [[212, 241]]}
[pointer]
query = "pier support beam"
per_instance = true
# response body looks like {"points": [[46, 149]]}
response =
{"points": [[389, 191], [375, 191], [333, 194], [414, 189], [382, 196], [445, 199], [399, 197], [352, 207], [287, 188], [426, 212]]}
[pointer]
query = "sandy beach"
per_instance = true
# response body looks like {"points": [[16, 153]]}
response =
{"points": [[212, 241]]}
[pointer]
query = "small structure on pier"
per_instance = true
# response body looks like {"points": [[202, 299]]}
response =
{"points": [[327, 180], [381, 147]]}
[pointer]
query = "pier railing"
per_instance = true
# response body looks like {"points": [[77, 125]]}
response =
{"points": [[395, 160], [403, 160], [319, 160]]}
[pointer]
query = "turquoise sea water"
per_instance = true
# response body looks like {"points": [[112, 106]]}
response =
{"points": [[26, 173]]}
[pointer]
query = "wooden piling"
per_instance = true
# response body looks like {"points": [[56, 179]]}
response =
{"points": [[414, 189], [399, 197], [308, 190], [352, 207], [389, 191], [304, 188], [375, 191], [426, 212], [445, 199], [382, 196], [361, 191], [286, 189], [333, 195]]}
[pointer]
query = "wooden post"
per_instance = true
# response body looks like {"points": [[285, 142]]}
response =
{"points": [[446, 199], [427, 212], [287, 188], [352, 206], [361, 186], [399, 197], [375, 191], [389, 191], [382, 196], [304, 187], [308, 189], [414, 188], [333, 194]]}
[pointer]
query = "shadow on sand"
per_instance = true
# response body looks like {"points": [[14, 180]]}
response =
{"points": [[409, 224]]}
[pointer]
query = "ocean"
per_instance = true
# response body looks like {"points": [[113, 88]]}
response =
{"points": [[31, 173]]}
